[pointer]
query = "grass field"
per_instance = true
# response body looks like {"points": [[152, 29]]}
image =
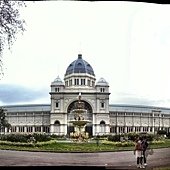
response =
{"points": [[78, 147]]}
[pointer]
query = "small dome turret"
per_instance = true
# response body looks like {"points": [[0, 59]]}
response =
{"points": [[57, 81], [102, 82]]}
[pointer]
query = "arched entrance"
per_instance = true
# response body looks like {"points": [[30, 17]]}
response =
{"points": [[87, 116]]}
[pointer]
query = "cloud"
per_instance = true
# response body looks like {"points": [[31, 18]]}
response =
{"points": [[18, 94], [13, 93], [132, 99]]}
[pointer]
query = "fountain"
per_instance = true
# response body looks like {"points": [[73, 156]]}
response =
{"points": [[79, 121]]}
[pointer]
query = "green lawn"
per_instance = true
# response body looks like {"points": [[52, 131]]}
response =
{"points": [[79, 147]]}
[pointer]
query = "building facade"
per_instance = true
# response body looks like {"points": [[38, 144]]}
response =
{"points": [[103, 118]]}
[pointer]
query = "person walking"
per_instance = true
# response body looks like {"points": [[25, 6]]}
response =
{"points": [[139, 153], [144, 148]]}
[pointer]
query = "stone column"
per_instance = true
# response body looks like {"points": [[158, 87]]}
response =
{"points": [[41, 129], [51, 129], [117, 130], [33, 129], [25, 129], [17, 129]]}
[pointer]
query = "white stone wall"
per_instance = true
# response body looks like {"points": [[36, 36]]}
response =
{"points": [[141, 122], [40, 119]]}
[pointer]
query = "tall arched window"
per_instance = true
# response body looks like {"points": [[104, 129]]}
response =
{"points": [[57, 127], [102, 127]]}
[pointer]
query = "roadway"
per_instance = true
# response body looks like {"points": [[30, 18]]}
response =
{"points": [[106, 160]]}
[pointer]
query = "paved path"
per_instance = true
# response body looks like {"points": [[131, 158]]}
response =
{"points": [[106, 160]]}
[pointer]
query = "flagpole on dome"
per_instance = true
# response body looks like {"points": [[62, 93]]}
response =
{"points": [[80, 50]]}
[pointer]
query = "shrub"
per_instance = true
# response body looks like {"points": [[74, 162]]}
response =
{"points": [[18, 137], [118, 144], [168, 135], [133, 136], [158, 142], [38, 144], [161, 132], [114, 138], [16, 143], [15, 137], [39, 137], [58, 137]]}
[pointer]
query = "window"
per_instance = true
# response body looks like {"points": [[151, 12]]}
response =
{"points": [[66, 83], [122, 129], [57, 127], [102, 90], [13, 129], [76, 81], [21, 128], [46, 129], [37, 128], [156, 115], [57, 104], [129, 114], [145, 129], [129, 129], [137, 129], [88, 82], [82, 81], [29, 129], [93, 84], [70, 82], [2, 129], [136, 114], [102, 104], [102, 127], [113, 129], [57, 89], [121, 114], [113, 113]]}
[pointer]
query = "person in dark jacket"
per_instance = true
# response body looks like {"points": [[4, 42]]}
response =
{"points": [[144, 144]]}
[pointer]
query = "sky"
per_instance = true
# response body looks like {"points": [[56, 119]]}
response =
{"points": [[127, 43]]}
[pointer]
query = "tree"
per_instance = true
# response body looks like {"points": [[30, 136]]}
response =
{"points": [[3, 122], [10, 25]]}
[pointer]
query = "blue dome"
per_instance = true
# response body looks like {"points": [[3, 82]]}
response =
{"points": [[79, 66]]}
